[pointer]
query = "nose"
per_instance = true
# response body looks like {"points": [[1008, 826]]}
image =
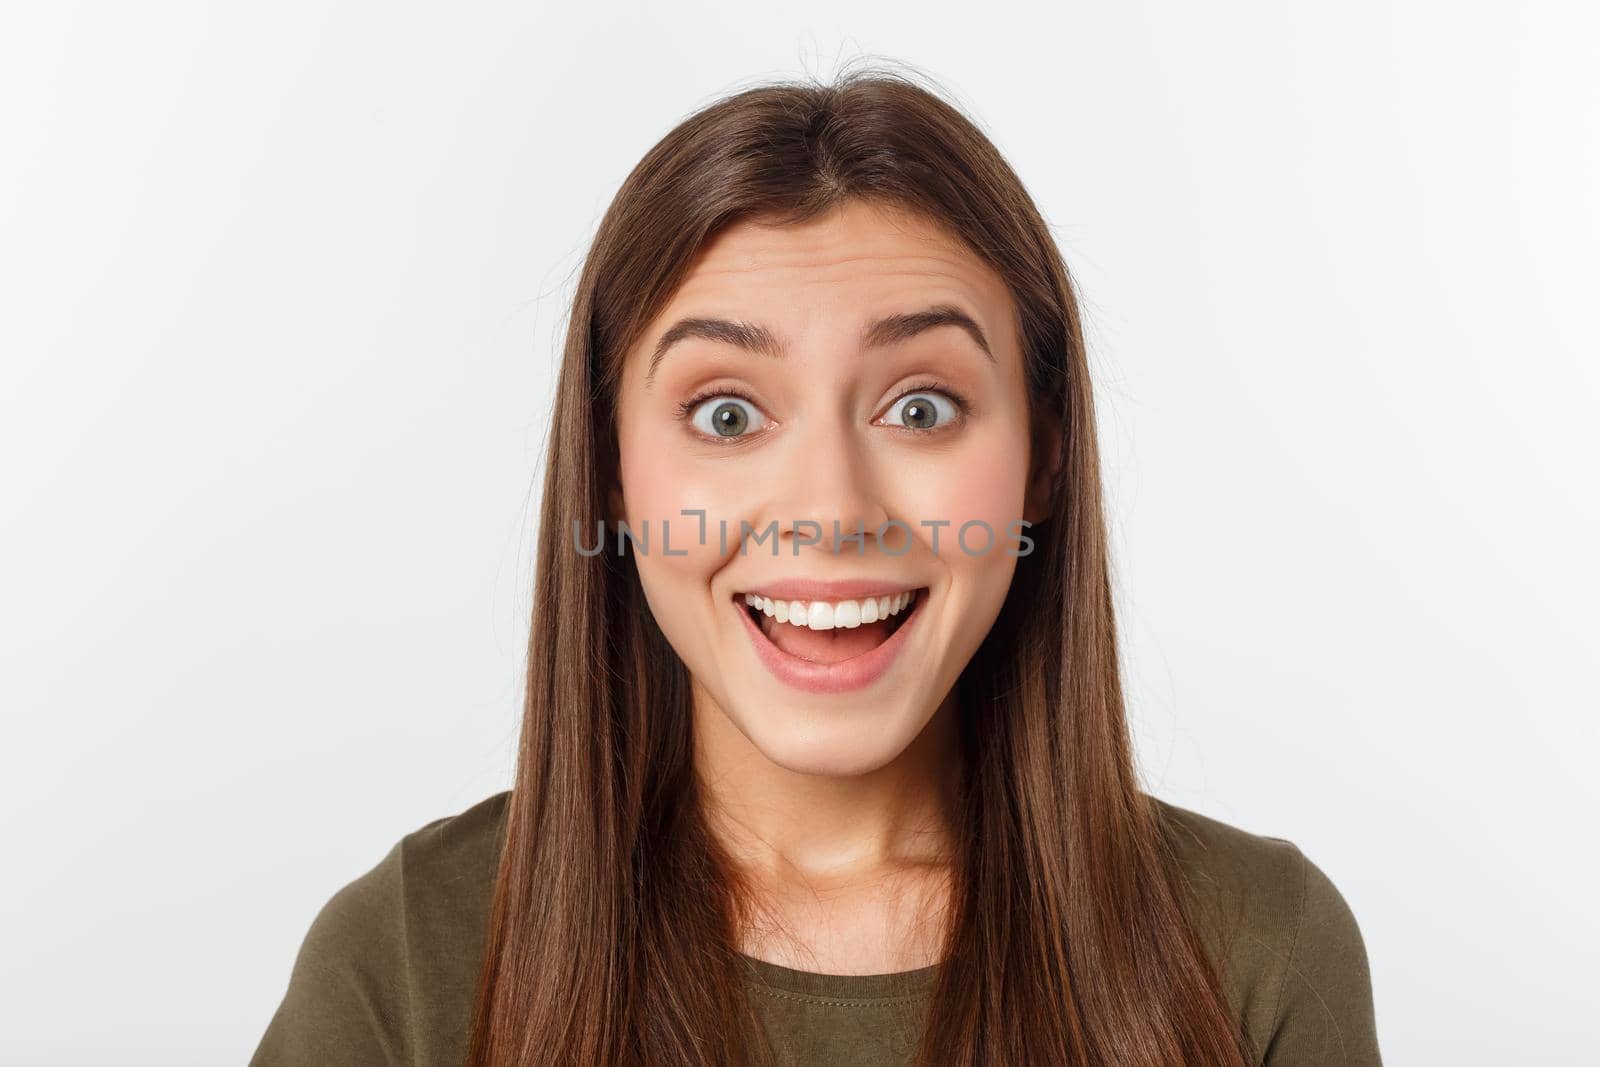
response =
{"points": [[829, 479]]}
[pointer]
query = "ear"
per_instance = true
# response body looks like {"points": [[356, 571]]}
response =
{"points": [[1046, 465], [615, 511]]}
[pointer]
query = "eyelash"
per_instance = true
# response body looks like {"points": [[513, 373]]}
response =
{"points": [[686, 408]]}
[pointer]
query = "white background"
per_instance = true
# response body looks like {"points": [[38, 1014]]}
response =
{"points": [[283, 291]]}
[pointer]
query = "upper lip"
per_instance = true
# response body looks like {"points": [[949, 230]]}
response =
{"points": [[816, 589]]}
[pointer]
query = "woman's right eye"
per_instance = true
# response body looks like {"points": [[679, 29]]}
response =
{"points": [[725, 417]]}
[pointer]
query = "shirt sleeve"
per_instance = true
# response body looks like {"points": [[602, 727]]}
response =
{"points": [[1324, 1015], [347, 991]]}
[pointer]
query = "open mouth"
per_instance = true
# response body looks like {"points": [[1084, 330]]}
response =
{"points": [[827, 632]]}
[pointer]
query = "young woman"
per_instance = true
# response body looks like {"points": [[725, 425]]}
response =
{"points": [[824, 757]]}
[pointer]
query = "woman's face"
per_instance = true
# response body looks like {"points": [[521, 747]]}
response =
{"points": [[794, 413]]}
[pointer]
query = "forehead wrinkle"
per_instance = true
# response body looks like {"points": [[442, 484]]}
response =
{"points": [[882, 331], [974, 291], [955, 266], [951, 265]]}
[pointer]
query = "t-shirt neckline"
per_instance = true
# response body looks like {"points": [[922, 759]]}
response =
{"points": [[842, 986]]}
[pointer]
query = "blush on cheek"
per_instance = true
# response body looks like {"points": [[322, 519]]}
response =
{"points": [[683, 553], [978, 494]]}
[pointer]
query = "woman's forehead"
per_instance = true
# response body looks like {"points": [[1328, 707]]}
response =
{"points": [[836, 275], [856, 244]]}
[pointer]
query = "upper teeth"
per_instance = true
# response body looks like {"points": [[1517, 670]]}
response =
{"points": [[829, 614]]}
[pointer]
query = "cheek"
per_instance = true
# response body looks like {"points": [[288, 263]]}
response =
{"points": [[987, 494], [983, 485], [658, 484], [983, 482]]}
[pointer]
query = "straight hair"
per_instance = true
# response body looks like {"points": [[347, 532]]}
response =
{"points": [[612, 935]]}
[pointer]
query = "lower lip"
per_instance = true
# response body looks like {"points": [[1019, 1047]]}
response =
{"points": [[858, 672]]}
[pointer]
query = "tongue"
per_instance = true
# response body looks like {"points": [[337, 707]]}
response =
{"points": [[825, 646]]}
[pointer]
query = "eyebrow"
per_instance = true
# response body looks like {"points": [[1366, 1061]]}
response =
{"points": [[753, 337]]}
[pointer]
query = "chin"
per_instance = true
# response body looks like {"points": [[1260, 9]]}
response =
{"points": [[831, 744]]}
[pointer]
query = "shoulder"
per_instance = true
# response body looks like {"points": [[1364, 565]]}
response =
{"points": [[387, 970], [447, 866], [1287, 946], [432, 887]]}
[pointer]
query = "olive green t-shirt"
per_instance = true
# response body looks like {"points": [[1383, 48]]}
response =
{"points": [[387, 972]]}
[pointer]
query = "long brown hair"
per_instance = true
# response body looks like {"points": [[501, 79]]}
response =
{"points": [[612, 930]]}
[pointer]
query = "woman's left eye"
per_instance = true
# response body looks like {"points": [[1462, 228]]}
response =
{"points": [[925, 409]]}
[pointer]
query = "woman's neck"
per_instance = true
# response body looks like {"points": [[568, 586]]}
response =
{"points": [[766, 815], [845, 874]]}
